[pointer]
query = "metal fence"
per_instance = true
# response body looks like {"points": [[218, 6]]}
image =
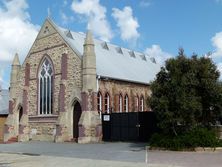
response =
{"points": [[132, 126]]}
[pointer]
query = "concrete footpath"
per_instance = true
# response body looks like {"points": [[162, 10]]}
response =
{"points": [[20, 160], [107, 154]]}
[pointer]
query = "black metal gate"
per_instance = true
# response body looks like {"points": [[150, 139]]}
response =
{"points": [[133, 126]]}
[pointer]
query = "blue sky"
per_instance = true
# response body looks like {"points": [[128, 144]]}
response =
{"points": [[156, 27]]}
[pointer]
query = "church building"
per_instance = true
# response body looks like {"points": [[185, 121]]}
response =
{"points": [[68, 80]]}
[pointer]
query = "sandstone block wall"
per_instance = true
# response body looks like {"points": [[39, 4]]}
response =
{"points": [[115, 88]]}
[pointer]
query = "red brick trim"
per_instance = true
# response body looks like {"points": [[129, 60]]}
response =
{"points": [[11, 106], [25, 102], [94, 101], [64, 66], [21, 128], [27, 74]]}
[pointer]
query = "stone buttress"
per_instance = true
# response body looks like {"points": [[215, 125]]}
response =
{"points": [[90, 129]]}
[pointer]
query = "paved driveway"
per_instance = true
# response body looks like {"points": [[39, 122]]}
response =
{"points": [[129, 152], [116, 152]]}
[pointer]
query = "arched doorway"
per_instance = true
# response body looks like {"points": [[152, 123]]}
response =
{"points": [[76, 116]]}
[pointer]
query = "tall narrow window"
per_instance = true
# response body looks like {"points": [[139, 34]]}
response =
{"points": [[141, 103], [120, 103], [99, 103], [45, 88], [107, 103], [126, 104], [137, 103]]}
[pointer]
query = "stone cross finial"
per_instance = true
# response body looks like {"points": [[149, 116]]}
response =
{"points": [[49, 12]]}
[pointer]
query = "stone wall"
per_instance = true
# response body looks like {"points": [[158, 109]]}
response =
{"points": [[2, 122], [53, 47], [42, 131], [115, 88]]}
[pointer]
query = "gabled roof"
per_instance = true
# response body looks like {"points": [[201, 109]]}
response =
{"points": [[4, 101], [110, 63]]}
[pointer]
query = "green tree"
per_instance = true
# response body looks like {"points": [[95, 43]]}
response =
{"points": [[186, 93]]}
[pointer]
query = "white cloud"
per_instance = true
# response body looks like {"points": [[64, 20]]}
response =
{"points": [[66, 19], [217, 43], [95, 14], [218, 1], [217, 53], [17, 33], [219, 67], [144, 3], [127, 23], [159, 55]]}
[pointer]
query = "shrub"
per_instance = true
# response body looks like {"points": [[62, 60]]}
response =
{"points": [[198, 137]]}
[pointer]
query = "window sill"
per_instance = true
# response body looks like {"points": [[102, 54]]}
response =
{"points": [[43, 118]]}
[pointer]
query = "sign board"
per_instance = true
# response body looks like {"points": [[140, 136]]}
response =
{"points": [[106, 117]]}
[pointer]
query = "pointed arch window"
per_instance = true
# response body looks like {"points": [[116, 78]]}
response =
{"points": [[120, 103], [141, 103], [99, 103], [107, 103], [126, 103], [45, 77], [137, 103]]}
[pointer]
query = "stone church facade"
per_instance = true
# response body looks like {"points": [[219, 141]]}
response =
{"points": [[67, 80]]}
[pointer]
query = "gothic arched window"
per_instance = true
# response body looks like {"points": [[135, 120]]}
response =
{"points": [[99, 103], [120, 103], [45, 77], [107, 103], [141, 103], [126, 103]]}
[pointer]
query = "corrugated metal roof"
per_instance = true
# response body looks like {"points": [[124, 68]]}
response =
{"points": [[4, 101], [115, 62]]}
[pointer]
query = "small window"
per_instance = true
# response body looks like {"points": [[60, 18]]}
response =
{"points": [[119, 50], [105, 46], [153, 60], [137, 103], [143, 57], [126, 104], [141, 104], [120, 103], [99, 103], [107, 103], [69, 34], [132, 54]]}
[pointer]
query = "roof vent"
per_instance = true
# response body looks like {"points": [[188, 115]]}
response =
{"points": [[143, 57], [69, 34], [132, 54], [119, 50], [104, 46], [153, 60]]}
